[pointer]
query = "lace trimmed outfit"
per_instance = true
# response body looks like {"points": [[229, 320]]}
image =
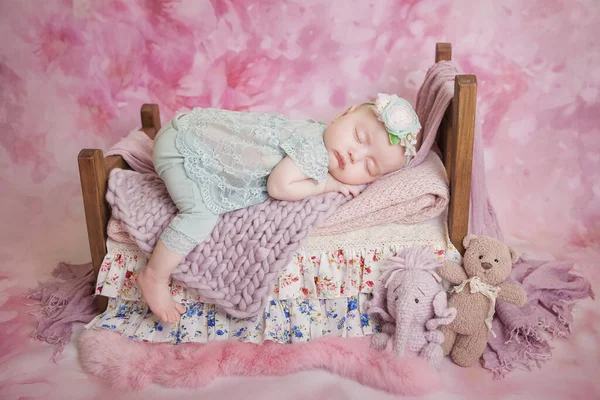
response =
{"points": [[215, 161]]}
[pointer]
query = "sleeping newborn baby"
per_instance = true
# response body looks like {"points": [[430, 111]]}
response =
{"points": [[215, 161]]}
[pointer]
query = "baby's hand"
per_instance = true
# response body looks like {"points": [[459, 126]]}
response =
{"points": [[349, 189], [333, 185]]}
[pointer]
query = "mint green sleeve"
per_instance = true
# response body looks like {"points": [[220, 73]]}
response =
{"points": [[303, 143]]}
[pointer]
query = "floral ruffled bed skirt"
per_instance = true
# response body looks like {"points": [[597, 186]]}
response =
{"points": [[317, 294], [283, 321]]}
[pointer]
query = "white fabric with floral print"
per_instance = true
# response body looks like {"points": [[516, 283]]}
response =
{"points": [[319, 293]]}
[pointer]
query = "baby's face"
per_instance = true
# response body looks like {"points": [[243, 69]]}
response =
{"points": [[359, 148]]}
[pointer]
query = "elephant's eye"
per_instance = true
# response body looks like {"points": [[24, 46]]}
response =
{"points": [[416, 300], [481, 257], [495, 260], [396, 298]]}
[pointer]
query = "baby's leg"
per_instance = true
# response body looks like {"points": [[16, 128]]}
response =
{"points": [[153, 281], [190, 227], [193, 223]]}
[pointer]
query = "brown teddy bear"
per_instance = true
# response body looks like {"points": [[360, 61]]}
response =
{"points": [[487, 263]]}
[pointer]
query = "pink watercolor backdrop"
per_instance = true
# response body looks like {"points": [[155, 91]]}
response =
{"points": [[74, 73]]}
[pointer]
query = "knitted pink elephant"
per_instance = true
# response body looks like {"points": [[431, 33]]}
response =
{"points": [[410, 304]]}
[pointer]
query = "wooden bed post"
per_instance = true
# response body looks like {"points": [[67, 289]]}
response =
{"points": [[93, 186], [150, 120], [443, 52], [455, 140], [94, 170], [461, 157]]}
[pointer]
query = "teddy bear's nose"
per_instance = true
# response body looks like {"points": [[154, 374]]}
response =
{"points": [[486, 265]]}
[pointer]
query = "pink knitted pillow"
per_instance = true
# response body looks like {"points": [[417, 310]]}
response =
{"points": [[409, 196]]}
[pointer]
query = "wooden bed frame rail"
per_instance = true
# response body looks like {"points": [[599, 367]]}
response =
{"points": [[455, 140]]}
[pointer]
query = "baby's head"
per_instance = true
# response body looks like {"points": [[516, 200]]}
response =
{"points": [[372, 140]]}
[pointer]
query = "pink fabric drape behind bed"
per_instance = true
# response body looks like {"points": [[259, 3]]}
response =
{"points": [[433, 99]]}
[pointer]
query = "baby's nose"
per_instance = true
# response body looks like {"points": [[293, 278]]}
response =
{"points": [[356, 155]]}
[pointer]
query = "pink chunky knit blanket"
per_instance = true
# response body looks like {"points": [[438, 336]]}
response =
{"points": [[237, 265]]}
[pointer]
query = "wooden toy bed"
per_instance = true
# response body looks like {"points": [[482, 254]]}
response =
{"points": [[455, 139]]}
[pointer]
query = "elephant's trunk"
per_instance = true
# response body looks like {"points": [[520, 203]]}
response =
{"points": [[403, 331]]}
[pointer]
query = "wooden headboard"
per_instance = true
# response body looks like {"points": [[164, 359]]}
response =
{"points": [[455, 139]]}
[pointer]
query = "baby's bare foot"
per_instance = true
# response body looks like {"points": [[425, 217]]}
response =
{"points": [[157, 295]]}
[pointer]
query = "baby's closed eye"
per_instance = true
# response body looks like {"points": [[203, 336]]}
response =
{"points": [[371, 167], [360, 136]]}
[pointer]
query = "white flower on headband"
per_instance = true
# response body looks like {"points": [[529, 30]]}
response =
{"points": [[400, 121]]}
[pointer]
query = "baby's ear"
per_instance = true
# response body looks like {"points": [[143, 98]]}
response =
{"points": [[349, 110], [344, 113]]}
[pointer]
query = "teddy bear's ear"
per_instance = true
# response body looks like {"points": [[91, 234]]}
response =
{"points": [[468, 239], [514, 256]]}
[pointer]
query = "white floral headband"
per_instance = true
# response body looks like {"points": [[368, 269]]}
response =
{"points": [[400, 121]]}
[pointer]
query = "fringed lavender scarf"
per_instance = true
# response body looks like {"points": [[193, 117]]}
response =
{"points": [[63, 302], [523, 334]]}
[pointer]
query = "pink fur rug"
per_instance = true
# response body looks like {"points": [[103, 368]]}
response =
{"points": [[129, 365]]}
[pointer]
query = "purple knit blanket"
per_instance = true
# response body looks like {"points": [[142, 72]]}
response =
{"points": [[237, 265]]}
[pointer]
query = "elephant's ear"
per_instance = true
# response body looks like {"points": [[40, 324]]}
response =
{"points": [[377, 306], [444, 315]]}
